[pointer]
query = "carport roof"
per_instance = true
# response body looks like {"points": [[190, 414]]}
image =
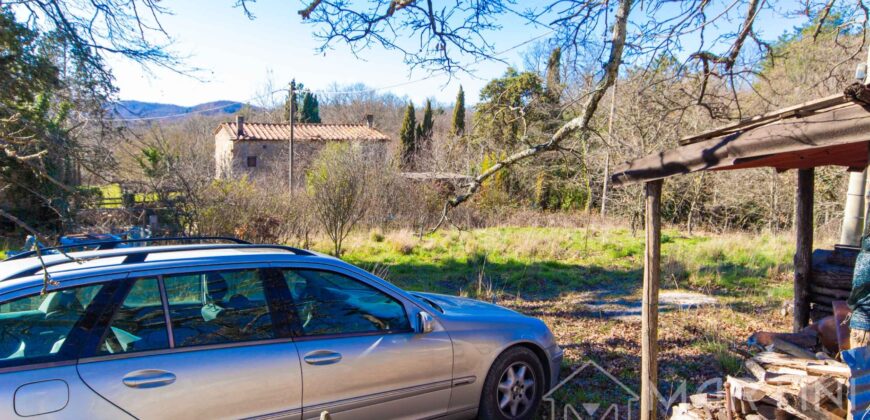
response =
{"points": [[830, 131]]}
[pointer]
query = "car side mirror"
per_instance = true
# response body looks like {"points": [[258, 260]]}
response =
{"points": [[425, 322]]}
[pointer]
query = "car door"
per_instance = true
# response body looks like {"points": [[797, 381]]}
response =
{"points": [[361, 355], [41, 335], [198, 345]]}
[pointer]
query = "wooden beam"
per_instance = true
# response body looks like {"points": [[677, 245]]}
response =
{"points": [[803, 246], [650, 310]]}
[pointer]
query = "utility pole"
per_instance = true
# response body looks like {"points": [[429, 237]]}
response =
{"points": [[292, 124]]}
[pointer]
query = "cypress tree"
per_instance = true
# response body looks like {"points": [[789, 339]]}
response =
{"points": [[458, 128], [428, 123], [310, 112], [408, 135]]}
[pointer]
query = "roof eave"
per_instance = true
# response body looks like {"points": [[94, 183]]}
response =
{"points": [[841, 124]]}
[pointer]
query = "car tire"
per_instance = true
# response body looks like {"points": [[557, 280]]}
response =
{"points": [[508, 393]]}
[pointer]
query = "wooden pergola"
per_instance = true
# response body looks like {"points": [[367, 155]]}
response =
{"points": [[829, 131]]}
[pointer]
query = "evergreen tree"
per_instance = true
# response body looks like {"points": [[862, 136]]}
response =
{"points": [[293, 97], [310, 112], [408, 135], [458, 128], [418, 133], [428, 123]]}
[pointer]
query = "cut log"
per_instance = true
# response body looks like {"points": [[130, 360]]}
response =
{"points": [[822, 390], [746, 391], [789, 348], [784, 370], [783, 379], [806, 339], [766, 411], [811, 366], [833, 370], [755, 369]]}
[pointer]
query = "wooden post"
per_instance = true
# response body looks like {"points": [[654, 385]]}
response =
{"points": [[803, 246], [650, 309]]}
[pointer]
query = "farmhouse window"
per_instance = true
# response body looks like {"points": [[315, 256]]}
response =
{"points": [[252, 161]]}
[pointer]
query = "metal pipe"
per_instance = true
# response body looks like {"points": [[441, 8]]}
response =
{"points": [[853, 211]]}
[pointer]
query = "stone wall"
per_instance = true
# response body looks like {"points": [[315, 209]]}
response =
{"points": [[231, 157]]}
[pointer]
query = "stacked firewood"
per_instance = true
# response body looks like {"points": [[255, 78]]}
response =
{"points": [[793, 376], [780, 387]]}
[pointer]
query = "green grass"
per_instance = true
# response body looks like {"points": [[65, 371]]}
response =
{"points": [[547, 261], [113, 192]]}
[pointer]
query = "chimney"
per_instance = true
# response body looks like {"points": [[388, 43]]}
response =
{"points": [[370, 120], [240, 126]]}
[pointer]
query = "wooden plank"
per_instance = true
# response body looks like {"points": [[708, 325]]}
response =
{"points": [[792, 349], [829, 292], [803, 246], [783, 379], [822, 390], [832, 277], [812, 367], [649, 311], [755, 369]]}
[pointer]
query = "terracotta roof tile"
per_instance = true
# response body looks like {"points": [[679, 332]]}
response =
{"points": [[267, 131]]}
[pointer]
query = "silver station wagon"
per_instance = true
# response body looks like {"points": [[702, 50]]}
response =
{"points": [[235, 330]]}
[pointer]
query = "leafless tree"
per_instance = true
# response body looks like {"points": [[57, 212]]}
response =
{"points": [[605, 36]]}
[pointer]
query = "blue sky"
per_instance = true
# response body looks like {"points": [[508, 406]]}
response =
{"points": [[238, 55]]}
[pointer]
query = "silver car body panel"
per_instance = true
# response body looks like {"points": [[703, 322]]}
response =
{"points": [[16, 402], [217, 382], [402, 375]]}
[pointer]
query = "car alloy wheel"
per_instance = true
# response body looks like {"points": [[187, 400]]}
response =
{"points": [[516, 390]]}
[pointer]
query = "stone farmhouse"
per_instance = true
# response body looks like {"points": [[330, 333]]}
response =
{"points": [[260, 150]]}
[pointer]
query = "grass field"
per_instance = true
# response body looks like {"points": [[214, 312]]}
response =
{"points": [[564, 276]]}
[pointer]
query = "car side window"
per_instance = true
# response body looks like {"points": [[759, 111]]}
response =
{"points": [[139, 324], [216, 307], [34, 329], [330, 303]]}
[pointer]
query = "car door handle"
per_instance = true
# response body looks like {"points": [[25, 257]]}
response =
{"points": [[322, 357], [148, 378]]}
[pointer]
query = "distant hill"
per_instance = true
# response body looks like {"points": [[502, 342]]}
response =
{"points": [[139, 109]]}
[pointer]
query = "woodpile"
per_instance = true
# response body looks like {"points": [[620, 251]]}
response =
{"points": [[795, 376], [781, 386]]}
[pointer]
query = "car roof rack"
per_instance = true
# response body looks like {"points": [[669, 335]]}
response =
{"points": [[112, 244], [136, 255]]}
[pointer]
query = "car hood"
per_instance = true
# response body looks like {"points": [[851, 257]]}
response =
{"points": [[459, 306]]}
